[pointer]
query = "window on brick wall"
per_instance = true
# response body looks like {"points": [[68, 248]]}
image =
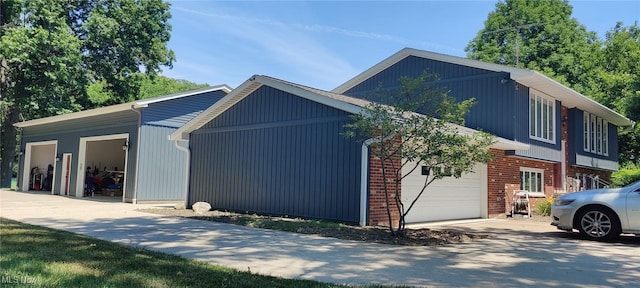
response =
{"points": [[541, 116], [596, 134], [532, 180]]}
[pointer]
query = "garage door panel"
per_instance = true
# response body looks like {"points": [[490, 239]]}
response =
{"points": [[445, 199]]}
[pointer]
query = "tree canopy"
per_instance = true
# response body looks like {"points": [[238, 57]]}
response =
{"points": [[616, 84], [51, 51], [537, 35], [149, 87]]}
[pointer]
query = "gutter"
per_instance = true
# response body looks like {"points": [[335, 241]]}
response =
{"points": [[134, 199], [364, 177], [186, 171]]}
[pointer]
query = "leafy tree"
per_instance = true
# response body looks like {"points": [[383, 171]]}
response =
{"points": [[616, 84], [51, 50], [149, 87], [537, 35], [403, 138]]}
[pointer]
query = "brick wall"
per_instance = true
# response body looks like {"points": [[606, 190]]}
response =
{"points": [[503, 174], [377, 200]]}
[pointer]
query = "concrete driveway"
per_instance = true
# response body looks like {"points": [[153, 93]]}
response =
{"points": [[521, 253]]}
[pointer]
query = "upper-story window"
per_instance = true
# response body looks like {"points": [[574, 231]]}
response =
{"points": [[541, 116], [596, 134]]}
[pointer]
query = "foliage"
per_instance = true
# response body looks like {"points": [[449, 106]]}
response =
{"points": [[538, 35], [402, 138], [625, 176], [543, 207], [616, 83], [51, 51], [61, 259], [149, 87]]}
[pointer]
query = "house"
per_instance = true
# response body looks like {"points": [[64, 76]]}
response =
{"points": [[573, 139], [275, 147], [125, 142]]}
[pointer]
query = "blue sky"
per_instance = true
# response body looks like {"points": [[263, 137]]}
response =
{"points": [[325, 43]]}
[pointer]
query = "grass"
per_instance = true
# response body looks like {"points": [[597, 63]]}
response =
{"points": [[14, 183], [42, 257]]}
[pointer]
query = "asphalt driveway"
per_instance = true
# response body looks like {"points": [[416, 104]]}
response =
{"points": [[521, 253]]}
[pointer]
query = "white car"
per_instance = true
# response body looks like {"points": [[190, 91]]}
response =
{"points": [[601, 214]]}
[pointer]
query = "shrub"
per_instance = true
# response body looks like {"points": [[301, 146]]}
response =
{"points": [[543, 207], [625, 176]]}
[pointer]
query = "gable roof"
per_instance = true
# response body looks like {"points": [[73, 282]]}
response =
{"points": [[335, 100], [119, 107], [530, 78], [345, 103]]}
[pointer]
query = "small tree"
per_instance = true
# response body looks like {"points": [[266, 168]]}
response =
{"points": [[422, 127]]}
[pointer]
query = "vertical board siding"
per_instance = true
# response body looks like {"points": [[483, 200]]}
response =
{"points": [[281, 107], [162, 169], [576, 138], [289, 168], [495, 104], [176, 112]]}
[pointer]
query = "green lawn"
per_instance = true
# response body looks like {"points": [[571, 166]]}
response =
{"points": [[42, 257], [14, 184]]}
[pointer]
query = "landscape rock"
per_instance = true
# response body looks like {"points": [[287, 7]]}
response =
{"points": [[180, 206], [201, 207]]}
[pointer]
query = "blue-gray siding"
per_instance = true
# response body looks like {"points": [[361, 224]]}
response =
{"points": [[502, 105], [69, 138], [161, 166], [276, 153], [576, 138], [495, 104], [539, 149], [176, 112]]}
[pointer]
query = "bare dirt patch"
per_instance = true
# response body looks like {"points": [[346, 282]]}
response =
{"points": [[413, 237]]}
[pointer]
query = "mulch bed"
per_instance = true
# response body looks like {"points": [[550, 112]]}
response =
{"points": [[413, 237]]}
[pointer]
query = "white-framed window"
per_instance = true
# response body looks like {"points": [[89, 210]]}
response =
{"points": [[605, 138], [541, 116], [585, 128], [593, 134], [596, 134], [532, 180]]}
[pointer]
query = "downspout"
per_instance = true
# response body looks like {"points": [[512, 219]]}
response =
{"points": [[186, 171], [134, 200], [364, 177]]}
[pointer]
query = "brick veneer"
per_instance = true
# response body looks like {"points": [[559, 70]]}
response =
{"points": [[503, 174], [377, 201]]}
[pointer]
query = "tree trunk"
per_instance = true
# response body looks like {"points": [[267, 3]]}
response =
{"points": [[8, 148]]}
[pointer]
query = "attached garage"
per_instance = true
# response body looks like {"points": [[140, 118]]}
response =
{"points": [[447, 198], [274, 147]]}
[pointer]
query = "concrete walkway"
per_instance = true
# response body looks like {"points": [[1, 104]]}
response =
{"points": [[517, 256]]}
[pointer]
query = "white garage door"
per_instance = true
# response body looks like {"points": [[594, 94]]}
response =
{"points": [[447, 198]]}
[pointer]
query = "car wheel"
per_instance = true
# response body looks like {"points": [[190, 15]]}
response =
{"points": [[598, 224]]}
